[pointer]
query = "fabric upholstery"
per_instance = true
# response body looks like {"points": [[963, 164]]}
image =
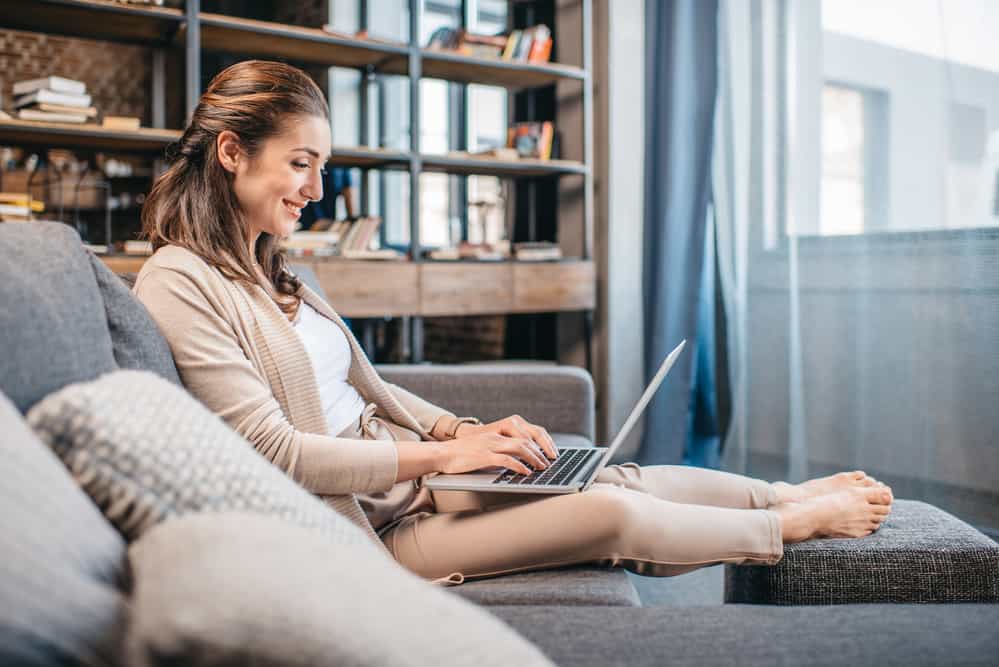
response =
{"points": [[135, 339], [167, 456], [920, 554], [879, 635], [560, 398], [61, 562], [52, 322], [567, 586], [238, 588]]}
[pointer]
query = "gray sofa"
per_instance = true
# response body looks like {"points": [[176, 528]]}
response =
{"points": [[65, 318]]}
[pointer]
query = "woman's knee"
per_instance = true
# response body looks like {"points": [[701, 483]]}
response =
{"points": [[613, 514]]}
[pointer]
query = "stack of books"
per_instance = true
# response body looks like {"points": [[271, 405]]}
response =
{"points": [[532, 140], [351, 239], [531, 45], [54, 99], [481, 252], [18, 207], [537, 251]]}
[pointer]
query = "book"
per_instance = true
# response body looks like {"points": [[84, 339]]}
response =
{"points": [[524, 45], [538, 251], [22, 199], [89, 112], [532, 140], [380, 254], [138, 248], [50, 97], [55, 84], [34, 114], [121, 122], [541, 40], [511, 45]]}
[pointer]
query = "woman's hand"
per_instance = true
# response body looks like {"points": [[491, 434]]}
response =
{"points": [[486, 450], [514, 426]]}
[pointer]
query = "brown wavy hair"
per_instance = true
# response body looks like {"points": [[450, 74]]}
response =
{"points": [[193, 204]]}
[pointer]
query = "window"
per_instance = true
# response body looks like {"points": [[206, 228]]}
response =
{"points": [[908, 114], [854, 160]]}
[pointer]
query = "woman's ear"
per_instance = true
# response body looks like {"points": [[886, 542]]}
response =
{"points": [[228, 149]]}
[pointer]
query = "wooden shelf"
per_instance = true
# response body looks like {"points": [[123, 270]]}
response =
{"points": [[93, 19], [369, 158], [487, 71], [451, 164], [230, 34], [69, 135], [430, 289]]}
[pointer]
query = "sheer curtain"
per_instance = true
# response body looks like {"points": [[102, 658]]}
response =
{"points": [[856, 200]]}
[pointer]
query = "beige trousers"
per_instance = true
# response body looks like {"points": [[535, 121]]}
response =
{"points": [[653, 520]]}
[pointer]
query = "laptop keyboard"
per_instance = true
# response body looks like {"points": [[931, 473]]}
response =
{"points": [[561, 470]]}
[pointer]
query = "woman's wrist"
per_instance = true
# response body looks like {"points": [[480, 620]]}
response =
{"points": [[419, 458]]}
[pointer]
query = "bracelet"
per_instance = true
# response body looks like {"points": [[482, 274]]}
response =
{"points": [[452, 432]]}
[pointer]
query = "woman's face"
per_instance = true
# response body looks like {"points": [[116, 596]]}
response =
{"points": [[286, 173]]}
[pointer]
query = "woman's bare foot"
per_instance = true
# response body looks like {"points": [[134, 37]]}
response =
{"points": [[852, 512], [813, 488]]}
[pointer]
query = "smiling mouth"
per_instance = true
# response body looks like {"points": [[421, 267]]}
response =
{"points": [[293, 208]]}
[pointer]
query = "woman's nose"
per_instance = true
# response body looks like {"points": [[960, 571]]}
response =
{"points": [[313, 190]]}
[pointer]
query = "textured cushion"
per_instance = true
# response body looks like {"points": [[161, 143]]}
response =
{"points": [[920, 554], [61, 562], [136, 341], [567, 586], [879, 635], [167, 455], [52, 322], [248, 589]]}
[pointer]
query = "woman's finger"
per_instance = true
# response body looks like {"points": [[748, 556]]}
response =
{"points": [[523, 450], [513, 464], [545, 441]]}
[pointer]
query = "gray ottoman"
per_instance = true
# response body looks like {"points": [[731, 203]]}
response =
{"points": [[920, 554]]}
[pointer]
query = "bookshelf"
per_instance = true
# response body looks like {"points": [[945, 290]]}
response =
{"points": [[84, 136], [413, 289]]}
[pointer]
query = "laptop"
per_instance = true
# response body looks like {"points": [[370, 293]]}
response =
{"points": [[573, 471]]}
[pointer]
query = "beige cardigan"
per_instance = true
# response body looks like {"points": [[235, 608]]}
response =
{"points": [[238, 353]]}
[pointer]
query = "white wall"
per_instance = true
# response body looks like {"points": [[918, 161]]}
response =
{"points": [[619, 60]]}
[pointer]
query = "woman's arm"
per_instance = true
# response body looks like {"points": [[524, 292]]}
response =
{"points": [[209, 354]]}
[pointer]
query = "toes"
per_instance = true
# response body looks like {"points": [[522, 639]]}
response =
{"points": [[877, 495]]}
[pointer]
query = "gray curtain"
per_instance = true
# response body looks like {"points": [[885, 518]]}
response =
{"points": [[681, 79]]}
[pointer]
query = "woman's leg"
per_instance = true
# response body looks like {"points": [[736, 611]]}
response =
{"points": [[607, 524], [686, 484]]}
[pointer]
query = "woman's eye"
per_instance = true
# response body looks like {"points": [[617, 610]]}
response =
{"points": [[300, 165]]}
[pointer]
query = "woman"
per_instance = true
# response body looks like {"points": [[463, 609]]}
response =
{"points": [[275, 362]]}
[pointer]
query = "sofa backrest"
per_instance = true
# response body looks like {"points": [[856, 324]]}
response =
{"points": [[64, 317]]}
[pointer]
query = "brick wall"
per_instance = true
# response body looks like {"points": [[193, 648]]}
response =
{"points": [[452, 340], [117, 75]]}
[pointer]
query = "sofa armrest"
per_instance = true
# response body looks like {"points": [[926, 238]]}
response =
{"points": [[560, 398]]}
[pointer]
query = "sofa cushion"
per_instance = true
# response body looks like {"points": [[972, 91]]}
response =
{"points": [[239, 588], [885, 634], [61, 564], [52, 324], [135, 339], [166, 455], [920, 554], [583, 585]]}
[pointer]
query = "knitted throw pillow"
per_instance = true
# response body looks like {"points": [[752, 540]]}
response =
{"points": [[145, 450]]}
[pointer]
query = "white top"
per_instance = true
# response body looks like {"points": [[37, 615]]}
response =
{"points": [[329, 352]]}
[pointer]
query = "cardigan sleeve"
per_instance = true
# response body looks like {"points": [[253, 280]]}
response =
{"points": [[434, 420], [216, 369]]}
